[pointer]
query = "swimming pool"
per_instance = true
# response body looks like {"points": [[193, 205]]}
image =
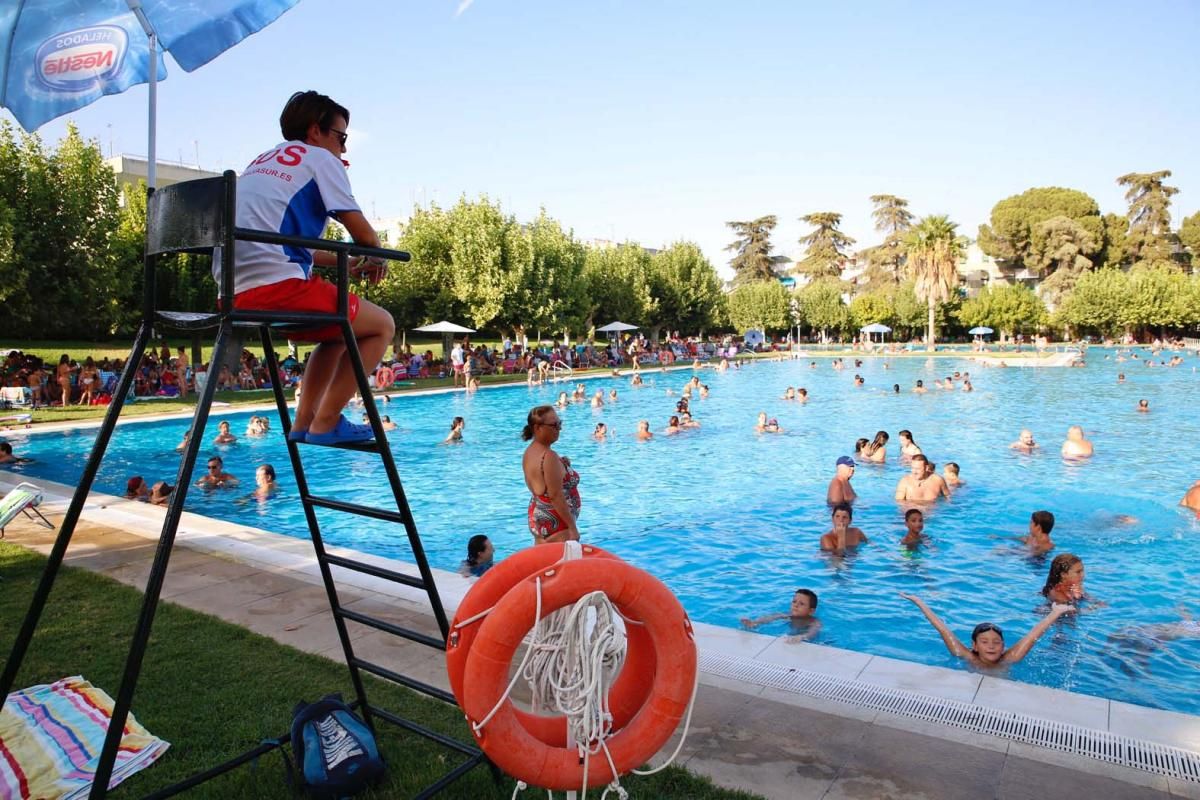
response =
{"points": [[730, 519]]}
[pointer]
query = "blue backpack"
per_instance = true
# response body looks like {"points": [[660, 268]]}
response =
{"points": [[335, 751]]}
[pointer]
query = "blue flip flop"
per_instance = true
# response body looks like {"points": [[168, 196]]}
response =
{"points": [[297, 434], [343, 433]]}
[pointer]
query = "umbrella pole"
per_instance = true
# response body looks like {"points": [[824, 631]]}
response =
{"points": [[151, 140]]}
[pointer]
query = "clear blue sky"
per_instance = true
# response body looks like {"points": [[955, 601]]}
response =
{"points": [[655, 121]]}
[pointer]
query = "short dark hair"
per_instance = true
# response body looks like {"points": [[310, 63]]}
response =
{"points": [[908, 514], [6, 448], [920, 457], [1044, 520], [305, 108], [810, 594], [842, 507]]}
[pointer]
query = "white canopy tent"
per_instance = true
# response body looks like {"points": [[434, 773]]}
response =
{"points": [[447, 329]]}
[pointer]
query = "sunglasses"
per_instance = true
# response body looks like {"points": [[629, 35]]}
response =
{"points": [[342, 136], [556, 424]]}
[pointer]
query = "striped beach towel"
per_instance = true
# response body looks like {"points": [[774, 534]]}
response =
{"points": [[51, 736]]}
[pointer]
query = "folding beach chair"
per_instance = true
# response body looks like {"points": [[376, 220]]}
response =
{"points": [[22, 500]]}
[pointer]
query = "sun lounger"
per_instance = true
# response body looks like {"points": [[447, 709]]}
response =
{"points": [[24, 499]]}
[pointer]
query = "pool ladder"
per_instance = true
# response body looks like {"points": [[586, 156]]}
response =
{"points": [[198, 216]]}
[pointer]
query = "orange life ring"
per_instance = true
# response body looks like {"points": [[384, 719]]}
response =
{"points": [[639, 596], [384, 377], [628, 692]]}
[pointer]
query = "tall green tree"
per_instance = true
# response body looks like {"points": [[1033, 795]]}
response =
{"points": [[822, 307], [1158, 299], [1015, 236], [549, 290], [752, 249], [873, 307], [1059, 253], [764, 305], [420, 291], [934, 248], [885, 261], [1114, 252], [1096, 302], [825, 247], [617, 281], [685, 288], [1149, 214], [1005, 308], [1189, 237]]}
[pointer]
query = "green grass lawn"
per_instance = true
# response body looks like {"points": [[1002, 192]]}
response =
{"points": [[214, 690]]}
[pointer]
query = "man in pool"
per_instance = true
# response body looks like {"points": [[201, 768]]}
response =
{"points": [[921, 485], [840, 490], [842, 536], [1038, 540], [1076, 446], [216, 477], [1192, 498], [1024, 442], [803, 623]]}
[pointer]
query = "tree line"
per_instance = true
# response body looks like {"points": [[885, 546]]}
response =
{"points": [[71, 253], [71, 248], [1094, 272]]}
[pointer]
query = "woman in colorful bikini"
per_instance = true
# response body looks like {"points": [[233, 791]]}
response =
{"points": [[553, 484]]}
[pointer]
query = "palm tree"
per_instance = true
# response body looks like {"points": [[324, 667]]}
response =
{"points": [[934, 248]]}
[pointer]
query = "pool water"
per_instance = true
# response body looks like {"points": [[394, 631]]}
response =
{"points": [[730, 519]]}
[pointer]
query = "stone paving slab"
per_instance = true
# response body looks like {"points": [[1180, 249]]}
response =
{"points": [[742, 737]]}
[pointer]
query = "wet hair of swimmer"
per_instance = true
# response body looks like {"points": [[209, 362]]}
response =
{"points": [[913, 512], [983, 628], [859, 444], [535, 416], [674, 422], [1060, 566], [268, 470], [810, 594], [600, 427], [951, 467], [907, 434], [1044, 520], [881, 438], [454, 423], [842, 507], [475, 546]]}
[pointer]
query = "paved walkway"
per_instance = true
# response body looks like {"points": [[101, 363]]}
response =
{"points": [[772, 743]]}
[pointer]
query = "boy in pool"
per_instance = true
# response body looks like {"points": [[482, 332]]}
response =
{"points": [[803, 623], [1040, 525], [914, 528]]}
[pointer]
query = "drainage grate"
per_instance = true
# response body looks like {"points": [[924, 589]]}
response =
{"points": [[1101, 745]]}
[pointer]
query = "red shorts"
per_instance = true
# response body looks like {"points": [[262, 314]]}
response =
{"points": [[296, 294]]}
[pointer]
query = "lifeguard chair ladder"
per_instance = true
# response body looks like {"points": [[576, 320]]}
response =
{"points": [[196, 217]]}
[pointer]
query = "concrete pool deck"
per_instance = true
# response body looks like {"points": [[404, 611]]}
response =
{"points": [[745, 733]]}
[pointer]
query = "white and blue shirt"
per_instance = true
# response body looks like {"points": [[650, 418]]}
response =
{"points": [[293, 189]]}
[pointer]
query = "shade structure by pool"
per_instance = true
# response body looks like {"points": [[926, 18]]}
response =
{"points": [[875, 327], [980, 330], [447, 330], [617, 327]]}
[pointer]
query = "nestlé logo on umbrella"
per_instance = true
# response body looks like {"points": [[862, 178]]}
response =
{"points": [[80, 59]]}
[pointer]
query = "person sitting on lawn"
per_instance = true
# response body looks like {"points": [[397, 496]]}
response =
{"points": [[302, 182]]}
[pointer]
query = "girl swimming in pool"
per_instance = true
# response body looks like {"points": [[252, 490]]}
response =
{"points": [[876, 450], [1064, 584], [987, 648]]}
